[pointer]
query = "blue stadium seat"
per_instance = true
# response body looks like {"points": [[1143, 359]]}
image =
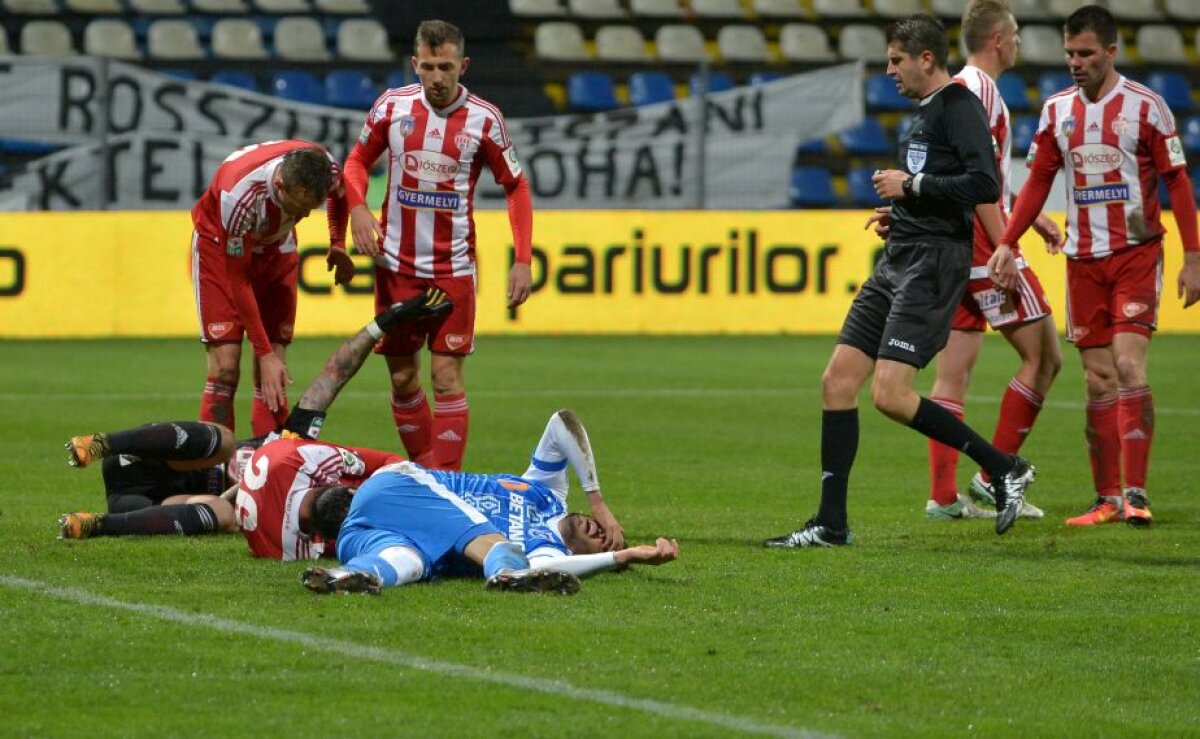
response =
{"points": [[868, 138], [591, 91], [1195, 175], [27, 148], [812, 187], [862, 190], [400, 78], [903, 126], [1023, 129], [717, 82], [1050, 83], [351, 88], [1013, 91], [1174, 88], [1191, 134], [179, 74], [762, 78], [244, 80], [812, 146], [300, 87], [883, 95], [646, 88]]}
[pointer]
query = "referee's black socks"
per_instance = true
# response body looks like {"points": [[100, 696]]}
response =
{"points": [[839, 445], [940, 424]]}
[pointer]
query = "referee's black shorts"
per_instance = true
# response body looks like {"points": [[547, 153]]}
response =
{"points": [[903, 311]]}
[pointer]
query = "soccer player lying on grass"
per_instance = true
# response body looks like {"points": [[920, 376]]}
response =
{"points": [[407, 524], [167, 478]]}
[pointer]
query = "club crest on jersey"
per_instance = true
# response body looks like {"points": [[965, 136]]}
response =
{"points": [[219, 329], [407, 124], [233, 246], [1120, 125], [1068, 125], [464, 141], [364, 134], [918, 152], [455, 341], [286, 330], [1175, 152], [1133, 309]]}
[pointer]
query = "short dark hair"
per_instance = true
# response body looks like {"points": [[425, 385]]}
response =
{"points": [[307, 169], [1095, 18], [918, 33], [436, 33], [331, 509]]}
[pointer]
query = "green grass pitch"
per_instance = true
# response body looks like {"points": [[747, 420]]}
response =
{"points": [[919, 629]]}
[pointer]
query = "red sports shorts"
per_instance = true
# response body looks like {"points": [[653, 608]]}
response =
{"points": [[273, 276], [452, 333], [1117, 293], [985, 304]]}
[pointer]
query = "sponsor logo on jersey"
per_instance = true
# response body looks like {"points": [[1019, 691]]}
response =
{"points": [[455, 341], [516, 518], [918, 152], [435, 134], [1068, 125], [997, 306], [1134, 309], [902, 345], [464, 141], [432, 166], [234, 247], [219, 329], [1096, 158], [1093, 128], [427, 199], [1120, 125], [286, 330], [514, 485], [1175, 152], [510, 158], [407, 124], [1116, 192], [364, 134], [1032, 153], [354, 464]]}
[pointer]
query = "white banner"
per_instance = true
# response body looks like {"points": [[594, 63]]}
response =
{"points": [[164, 137]]}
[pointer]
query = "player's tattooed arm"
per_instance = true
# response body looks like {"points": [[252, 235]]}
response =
{"points": [[343, 365]]}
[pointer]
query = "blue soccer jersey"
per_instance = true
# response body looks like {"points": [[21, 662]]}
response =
{"points": [[525, 512]]}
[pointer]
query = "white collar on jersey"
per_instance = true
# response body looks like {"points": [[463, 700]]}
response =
{"points": [[271, 183], [446, 111], [1107, 96]]}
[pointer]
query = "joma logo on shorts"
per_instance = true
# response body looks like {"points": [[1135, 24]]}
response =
{"points": [[901, 345]]}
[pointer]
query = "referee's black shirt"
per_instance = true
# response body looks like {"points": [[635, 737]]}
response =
{"points": [[949, 144]]}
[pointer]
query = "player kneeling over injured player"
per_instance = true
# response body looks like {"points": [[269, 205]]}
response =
{"points": [[407, 523]]}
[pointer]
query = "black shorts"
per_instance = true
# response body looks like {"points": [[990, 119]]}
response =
{"points": [[903, 311], [132, 482]]}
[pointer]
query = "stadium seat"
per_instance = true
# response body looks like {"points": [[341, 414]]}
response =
{"points": [[862, 190], [762, 78], [1173, 87], [46, 38], [717, 8], [283, 7], [235, 78], [949, 8], [1029, 10], [1060, 9], [883, 95], [591, 91], [399, 78], [647, 88], [94, 7], [1191, 134], [903, 126], [656, 8], [867, 138], [805, 42], [31, 7], [813, 146], [157, 7], [559, 41], [839, 9], [1184, 10], [1013, 91], [350, 88], [1145, 11], [716, 82], [596, 9], [897, 8], [1161, 44], [363, 39], [742, 43], [173, 39], [220, 7], [812, 187], [237, 38], [1041, 45], [621, 44], [778, 9], [680, 43], [181, 74], [1051, 83], [342, 7], [537, 8], [27, 148], [301, 39], [110, 38], [860, 41], [1024, 126], [300, 87]]}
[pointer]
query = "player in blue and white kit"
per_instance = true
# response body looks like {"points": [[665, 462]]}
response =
{"points": [[407, 523]]}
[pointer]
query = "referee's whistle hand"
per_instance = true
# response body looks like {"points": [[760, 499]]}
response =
{"points": [[889, 183]]}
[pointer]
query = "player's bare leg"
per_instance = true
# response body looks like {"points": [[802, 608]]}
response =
{"points": [[410, 408], [262, 419], [451, 415], [223, 368], [1103, 437]]}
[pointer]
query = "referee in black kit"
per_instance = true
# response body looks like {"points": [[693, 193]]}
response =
{"points": [[900, 319]]}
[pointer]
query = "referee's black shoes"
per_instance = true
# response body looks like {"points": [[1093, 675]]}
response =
{"points": [[1010, 492], [812, 535]]}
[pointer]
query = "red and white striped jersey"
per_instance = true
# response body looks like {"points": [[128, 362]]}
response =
{"points": [[273, 487], [1000, 126], [434, 161], [239, 212], [1112, 151]]}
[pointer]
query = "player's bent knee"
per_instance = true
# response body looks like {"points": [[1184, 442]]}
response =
{"points": [[223, 510], [406, 561]]}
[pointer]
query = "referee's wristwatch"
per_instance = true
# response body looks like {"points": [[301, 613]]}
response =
{"points": [[907, 186]]}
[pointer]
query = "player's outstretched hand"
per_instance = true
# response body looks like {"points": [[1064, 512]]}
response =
{"points": [[275, 379], [341, 265], [366, 230], [660, 552], [1189, 279]]}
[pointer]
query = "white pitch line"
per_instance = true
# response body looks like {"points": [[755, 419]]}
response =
{"points": [[401, 659]]}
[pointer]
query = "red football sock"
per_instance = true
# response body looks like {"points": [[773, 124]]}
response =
{"points": [[450, 416], [943, 461], [1104, 446], [262, 420], [216, 403], [1019, 410], [414, 421], [1135, 411]]}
